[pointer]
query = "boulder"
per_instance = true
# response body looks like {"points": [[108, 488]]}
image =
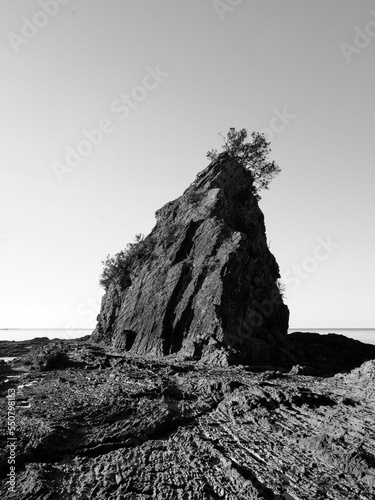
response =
{"points": [[203, 284]]}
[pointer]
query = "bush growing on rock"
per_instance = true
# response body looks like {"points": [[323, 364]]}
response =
{"points": [[281, 287], [253, 155], [117, 268]]}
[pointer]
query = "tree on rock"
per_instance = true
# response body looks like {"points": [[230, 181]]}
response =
{"points": [[117, 268], [253, 155]]}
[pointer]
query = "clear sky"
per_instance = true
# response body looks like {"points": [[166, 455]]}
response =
{"points": [[160, 79]]}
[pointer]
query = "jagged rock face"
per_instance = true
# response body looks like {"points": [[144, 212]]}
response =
{"points": [[207, 286]]}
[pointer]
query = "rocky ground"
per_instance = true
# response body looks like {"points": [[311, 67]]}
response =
{"points": [[11, 348], [93, 423]]}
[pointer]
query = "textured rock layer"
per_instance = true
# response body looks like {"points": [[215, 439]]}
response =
{"points": [[126, 427], [207, 286]]}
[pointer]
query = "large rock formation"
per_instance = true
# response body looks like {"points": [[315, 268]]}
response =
{"points": [[93, 422], [205, 284]]}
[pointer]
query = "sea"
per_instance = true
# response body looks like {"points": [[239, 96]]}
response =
{"points": [[366, 335]]}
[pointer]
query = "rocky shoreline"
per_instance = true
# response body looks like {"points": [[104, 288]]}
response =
{"points": [[14, 348], [93, 422]]}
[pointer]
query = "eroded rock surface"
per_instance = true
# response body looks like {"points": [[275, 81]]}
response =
{"points": [[124, 426], [206, 287], [13, 348]]}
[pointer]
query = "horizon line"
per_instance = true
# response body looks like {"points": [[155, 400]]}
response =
{"points": [[289, 328]]}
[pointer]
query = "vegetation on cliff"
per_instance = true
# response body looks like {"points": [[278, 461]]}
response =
{"points": [[253, 155], [117, 268]]}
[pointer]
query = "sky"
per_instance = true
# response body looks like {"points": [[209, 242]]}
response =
{"points": [[108, 110]]}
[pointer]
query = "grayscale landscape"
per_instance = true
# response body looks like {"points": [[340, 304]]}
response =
{"points": [[186, 250]]}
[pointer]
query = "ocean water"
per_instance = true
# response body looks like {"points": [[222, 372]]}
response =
{"points": [[366, 335]]}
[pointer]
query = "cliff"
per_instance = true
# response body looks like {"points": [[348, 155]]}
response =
{"points": [[204, 285]]}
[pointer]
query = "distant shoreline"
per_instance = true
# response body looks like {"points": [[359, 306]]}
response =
{"points": [[289, 329], [365, 335]]}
